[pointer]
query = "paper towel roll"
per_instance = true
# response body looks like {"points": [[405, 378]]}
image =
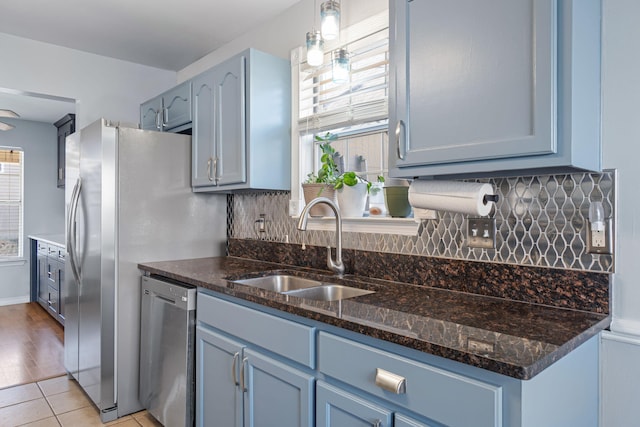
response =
{"points": [[451, 196]]}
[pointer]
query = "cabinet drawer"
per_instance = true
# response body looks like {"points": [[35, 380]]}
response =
{"points": [[43, 248], [288, 339], [443, 396]]}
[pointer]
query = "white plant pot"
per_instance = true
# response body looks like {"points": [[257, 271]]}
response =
{"points": [[352, 200]]}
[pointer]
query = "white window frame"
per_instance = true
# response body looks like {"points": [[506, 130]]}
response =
{"points": [[19, 258], [300, 156]]}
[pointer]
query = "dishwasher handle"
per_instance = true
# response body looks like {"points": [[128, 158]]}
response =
{"points": [[180, 296]]}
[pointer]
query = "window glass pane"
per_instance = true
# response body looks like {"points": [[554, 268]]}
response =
{"points": [[11, 169]]}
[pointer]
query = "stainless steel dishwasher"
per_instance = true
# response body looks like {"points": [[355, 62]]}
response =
{"points": [[167, 358]]}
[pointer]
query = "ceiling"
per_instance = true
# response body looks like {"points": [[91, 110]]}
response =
{"points": [[157, 33]]}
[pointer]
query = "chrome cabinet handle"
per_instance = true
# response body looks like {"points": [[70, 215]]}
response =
{"points": [[399, 127], [391, 382], [165, 116], [215, 168], [209, 169], [233, 368], [377, 423], [158, 120], [242, 385]]}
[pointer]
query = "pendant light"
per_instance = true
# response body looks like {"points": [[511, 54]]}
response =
{"points": [[340, 66], [315, 48], [330, 20]]}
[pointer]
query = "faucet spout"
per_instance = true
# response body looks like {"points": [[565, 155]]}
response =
{"points": [[336, 266]]}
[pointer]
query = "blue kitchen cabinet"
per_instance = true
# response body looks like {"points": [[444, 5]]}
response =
{"points": [[237, 383], [276, 393], [242, 117], [218, 393], [494, 86], [338, 408], [170, 111]]}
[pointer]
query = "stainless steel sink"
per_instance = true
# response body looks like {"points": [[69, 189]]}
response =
{"points": [[279, 282], [329, 292], [303, 288]]}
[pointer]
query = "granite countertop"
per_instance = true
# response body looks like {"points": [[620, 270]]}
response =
{"points": [[513, 338], [55, 239]]}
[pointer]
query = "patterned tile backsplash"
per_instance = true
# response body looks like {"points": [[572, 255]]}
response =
{"points": [[540, 220]]}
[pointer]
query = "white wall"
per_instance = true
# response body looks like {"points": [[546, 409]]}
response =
{"points": [[43, 201], [621, 150], [102, 87], [285, 32]]}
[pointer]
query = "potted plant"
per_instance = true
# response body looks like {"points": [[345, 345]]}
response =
{"points": [[376, 198], [352, 194], [322, 184]]}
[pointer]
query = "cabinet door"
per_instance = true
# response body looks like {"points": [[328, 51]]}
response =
{"points": [[230, 154], [338, 408], [43, 284], [400, 420], [150, 118], [277, 394], [472, 80], [218, 395], [66, 126], [176, 106], [204, 129]]}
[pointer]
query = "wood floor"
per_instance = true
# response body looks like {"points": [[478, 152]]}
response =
{"points": [[31, 346]]}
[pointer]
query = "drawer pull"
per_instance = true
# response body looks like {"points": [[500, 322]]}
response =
{"points": [[391, 382]]}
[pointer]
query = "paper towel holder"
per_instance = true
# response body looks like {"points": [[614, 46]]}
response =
{"points": [[490, 198]]}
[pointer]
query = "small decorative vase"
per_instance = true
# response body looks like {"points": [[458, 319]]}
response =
{"points": [[352, 200], [311, 191]]}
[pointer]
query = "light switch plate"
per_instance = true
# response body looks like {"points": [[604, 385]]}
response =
{"points": [[481, 233]]}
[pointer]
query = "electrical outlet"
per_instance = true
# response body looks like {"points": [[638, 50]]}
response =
{"points": [[294, 208], [481, 233], [600, 242]]}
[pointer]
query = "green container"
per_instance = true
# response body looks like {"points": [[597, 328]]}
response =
{"points": [[397, 201]]}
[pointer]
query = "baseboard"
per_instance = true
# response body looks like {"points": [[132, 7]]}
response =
{"points": [[14, 300]]}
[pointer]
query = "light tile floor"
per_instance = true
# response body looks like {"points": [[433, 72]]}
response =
{"points": [[57, 402]]}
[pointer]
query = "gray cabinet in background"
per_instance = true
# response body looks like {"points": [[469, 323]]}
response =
{"points": [[47, 277], [241, 123], [170, 111], [494, 86]]}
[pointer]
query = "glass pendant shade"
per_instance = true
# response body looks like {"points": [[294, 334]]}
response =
{"points": [[330, 20], [315, 52], [340, 67]]}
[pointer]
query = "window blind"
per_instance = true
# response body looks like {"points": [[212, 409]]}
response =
{"points": [[325, 105], [11, 170]]}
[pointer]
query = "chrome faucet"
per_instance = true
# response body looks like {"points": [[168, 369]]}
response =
{"points": [[336, 266]]}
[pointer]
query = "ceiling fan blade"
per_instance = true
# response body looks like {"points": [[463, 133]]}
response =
{"points": [[9, 113]]}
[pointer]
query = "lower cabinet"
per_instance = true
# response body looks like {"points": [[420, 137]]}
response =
{"points": [[261, 369], [48, 278], [237, 385], [338, 408]]}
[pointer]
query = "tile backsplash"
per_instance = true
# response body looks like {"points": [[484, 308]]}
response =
{"points": [[540, 220]]}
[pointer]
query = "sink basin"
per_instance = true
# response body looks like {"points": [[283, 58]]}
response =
{"points": [[329, 292], [304, 288], [279, 282]]}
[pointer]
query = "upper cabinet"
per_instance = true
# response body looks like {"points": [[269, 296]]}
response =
{"points": [[241, 123], [170, 111], [494, 86], [66, 126]]}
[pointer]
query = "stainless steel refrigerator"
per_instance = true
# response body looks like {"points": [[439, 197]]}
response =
{"points": [[129, 200]]}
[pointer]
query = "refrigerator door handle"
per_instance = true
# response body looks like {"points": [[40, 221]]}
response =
{"points": [[72, 230]]}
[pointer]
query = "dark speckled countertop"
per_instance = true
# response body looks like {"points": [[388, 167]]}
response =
{"points": [[520, 339]]}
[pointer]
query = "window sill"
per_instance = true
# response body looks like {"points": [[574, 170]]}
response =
{"points": [[8, 262], [372, 225]]}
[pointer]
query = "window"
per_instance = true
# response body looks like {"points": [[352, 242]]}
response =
{"points": [[11, 184], [356, 111]]}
